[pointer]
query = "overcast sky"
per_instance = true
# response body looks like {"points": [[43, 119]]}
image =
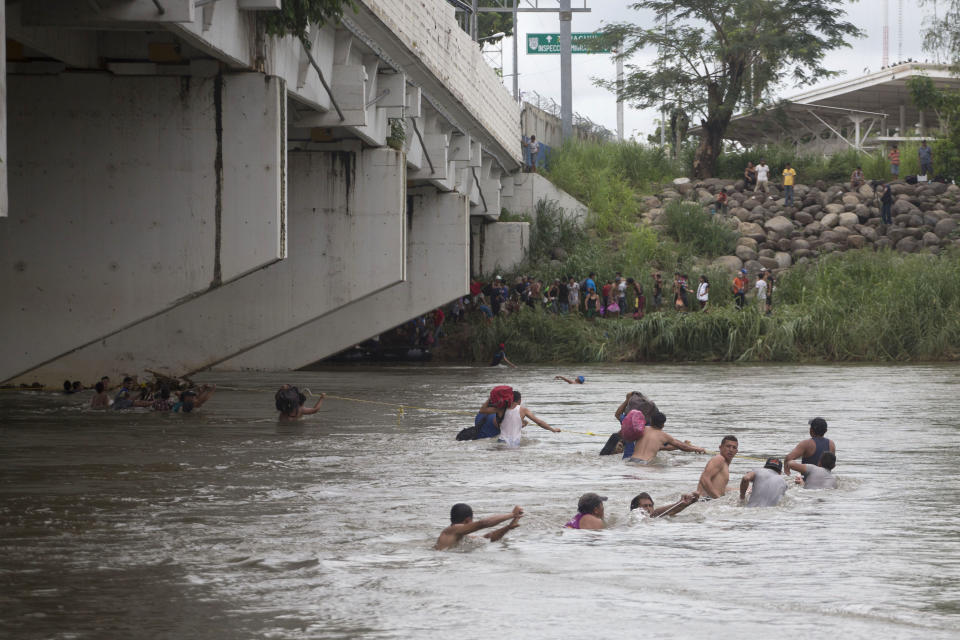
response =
{"points": [[541, 73]]}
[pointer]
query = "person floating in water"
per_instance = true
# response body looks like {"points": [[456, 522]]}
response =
{"points": [[768, 486], [463, 524], [190, 399], [100, 400], [644, 502], [655, 438], [512, 422], [289, 402], [713, 480], [501, 356], [817, 476], [577, 380], [809, 451], [589, 513]]}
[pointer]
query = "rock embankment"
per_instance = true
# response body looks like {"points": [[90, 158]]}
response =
{"points": [[823, 219]]}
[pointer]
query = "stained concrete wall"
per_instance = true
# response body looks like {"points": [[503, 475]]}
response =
{"points": [[437, 257], [530, 188], [498, 246], [345, 242], [129, 194]]}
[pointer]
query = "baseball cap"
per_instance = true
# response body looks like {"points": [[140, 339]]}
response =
{"points": [[743, 270], [589, 501], [773, 464]]}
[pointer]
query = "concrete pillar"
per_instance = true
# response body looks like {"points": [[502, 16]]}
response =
{"points": [[345, 241], [499, 246], [129, 195], [903, 121], [437, 272], [3, 114]]}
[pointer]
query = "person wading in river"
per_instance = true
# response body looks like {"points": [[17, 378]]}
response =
{"points": [[768, 485], [512, 422], [713, 480], [655, 438], [462, 524], [818, 476], [644, 502], [289, 402], [810, 450], [589, 513]]}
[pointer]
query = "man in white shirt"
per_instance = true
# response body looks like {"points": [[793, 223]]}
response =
{"points": [[762, 290], [534, 148], [762, 172]]}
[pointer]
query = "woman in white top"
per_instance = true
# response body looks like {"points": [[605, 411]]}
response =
{"points": [[762, 172], [512, 422], [703, 293]]}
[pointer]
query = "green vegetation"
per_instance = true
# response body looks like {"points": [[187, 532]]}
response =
{"points": [[296, 16], [855, 306], [689, 224]]}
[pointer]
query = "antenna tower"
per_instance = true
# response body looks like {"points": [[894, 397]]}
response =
{"points": [[899, 30], [886, 33]]}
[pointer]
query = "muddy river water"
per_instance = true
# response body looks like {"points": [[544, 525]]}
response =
{"points": [[225, 523]]}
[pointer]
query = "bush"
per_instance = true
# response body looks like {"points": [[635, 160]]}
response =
{"points": [[689, 224]]}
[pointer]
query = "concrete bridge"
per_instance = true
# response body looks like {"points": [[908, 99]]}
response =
{"points": [[184, 193]]}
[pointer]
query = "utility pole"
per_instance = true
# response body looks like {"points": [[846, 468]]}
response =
{"points": [[620, 93], [566, 71], [516, 39], [663, 96], [473, 21]]}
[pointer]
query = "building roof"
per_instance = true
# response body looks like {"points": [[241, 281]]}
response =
{"points": [[831, 111]]}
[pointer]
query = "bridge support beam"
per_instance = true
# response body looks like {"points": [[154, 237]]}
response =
{"points": [[130, 195], [437, 259], [345, 241]]}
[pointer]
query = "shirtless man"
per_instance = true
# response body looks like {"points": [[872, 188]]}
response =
{"points": [[644, 502], [713, 480], [655, 438], [514, 417], [577, 380], [290, 410], [462, 524]]}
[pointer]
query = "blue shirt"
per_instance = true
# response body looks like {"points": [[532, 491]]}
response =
{"points": [[925, 155], [591, 285]]}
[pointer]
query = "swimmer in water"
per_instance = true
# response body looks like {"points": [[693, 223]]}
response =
{"points": [[462, 524], [589, 513], [577, 380], [817, 476], [655, 438], [289, 402], [100, 400], [190, 400], [644, 502], [501, 356], [768, 485], [713, 480]]}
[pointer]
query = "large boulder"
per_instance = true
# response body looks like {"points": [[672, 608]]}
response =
{"points": [[728, 263], [769, 263], [866, 191], [945, 227], [830, 220], [651, 202], [751, 229], [814, 228], [856, 242], [750, 203], [799, 243], [850, 199], [848, 219], [835, 208], [907, 245], [902, 206], [779, 225], [803, 217], [829, 247], [753, 267], [745, 253], [747, 241], [897, 188], [741, 213], [930, 239], [869, 233], [783, 259]]}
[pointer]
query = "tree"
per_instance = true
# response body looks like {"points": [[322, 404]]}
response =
{"points": [[717, 56], [941, 37], [489, 23]]}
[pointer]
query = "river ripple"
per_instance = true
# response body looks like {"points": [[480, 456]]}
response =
{"points": [[226, 524]]}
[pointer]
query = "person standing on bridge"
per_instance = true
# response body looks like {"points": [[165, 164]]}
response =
{"points": [[533, 148]]}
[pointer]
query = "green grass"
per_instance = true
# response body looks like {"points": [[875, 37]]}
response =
{"points": [[855, 306], [689, 224]]}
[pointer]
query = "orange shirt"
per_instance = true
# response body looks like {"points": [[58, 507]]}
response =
{"points": [[739, 284], [894, 156]]}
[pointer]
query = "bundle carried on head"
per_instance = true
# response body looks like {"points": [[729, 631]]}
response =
{"points": [[501, 396], [288, 399], [639, 412], [642, 403]]}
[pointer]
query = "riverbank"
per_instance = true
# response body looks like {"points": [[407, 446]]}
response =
{"points": [[857, 306]]}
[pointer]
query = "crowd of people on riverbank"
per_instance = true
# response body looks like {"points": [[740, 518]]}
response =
{"points": [[640, 438]]}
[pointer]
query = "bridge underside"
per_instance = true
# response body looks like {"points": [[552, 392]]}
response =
{"points": [[185, 194]]}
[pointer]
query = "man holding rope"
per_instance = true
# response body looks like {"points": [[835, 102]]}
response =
{"points": [[713, 480]]}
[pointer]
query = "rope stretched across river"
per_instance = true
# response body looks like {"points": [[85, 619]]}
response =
{"points": [[401, 408]]}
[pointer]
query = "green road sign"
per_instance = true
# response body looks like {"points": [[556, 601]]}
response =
{"points": [[550, 43]]}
